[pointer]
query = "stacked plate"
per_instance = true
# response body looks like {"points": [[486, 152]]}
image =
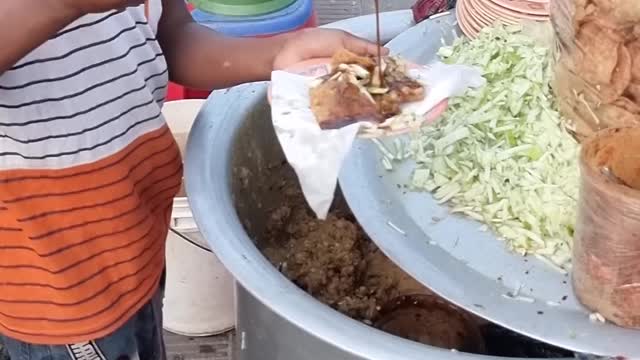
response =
{"points": [[473, 15]]}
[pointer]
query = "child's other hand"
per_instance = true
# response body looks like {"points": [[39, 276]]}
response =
{"points": [[320, 43]]}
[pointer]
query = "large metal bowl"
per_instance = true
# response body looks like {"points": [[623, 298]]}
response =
{"points": [[231, 147], [227, 161]]}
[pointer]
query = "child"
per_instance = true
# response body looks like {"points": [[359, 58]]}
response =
{"points": [[88, 167]]}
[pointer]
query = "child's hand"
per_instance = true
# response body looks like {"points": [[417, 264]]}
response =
{"points": [[318, 43]]}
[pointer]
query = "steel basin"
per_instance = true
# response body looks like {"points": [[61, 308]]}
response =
{"points": [[231, 146]]}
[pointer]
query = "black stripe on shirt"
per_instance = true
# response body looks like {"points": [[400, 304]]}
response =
{"points": [[83, 281], [94, 331], [81, 70], [131, 193], [137, 303], [119, 298], [90, 297], [83, 149], [125, 177], [60, 250], [88, 89], [158, 152], [94, 238], [79, 262], [86, 25], [85, 130], [93, 108], [80, 48], [114, 217], [91, 171]]}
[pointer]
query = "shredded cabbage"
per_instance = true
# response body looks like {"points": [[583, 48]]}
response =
{"points": [[500, 154]]}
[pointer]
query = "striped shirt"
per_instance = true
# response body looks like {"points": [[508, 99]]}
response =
{"points": [[88, 171]]}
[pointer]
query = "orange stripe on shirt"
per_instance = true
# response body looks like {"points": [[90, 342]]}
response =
{"points": [[83, 247]]}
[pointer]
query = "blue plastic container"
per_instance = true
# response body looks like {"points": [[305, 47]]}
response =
{"points": [[241, 7], [298, 15]]}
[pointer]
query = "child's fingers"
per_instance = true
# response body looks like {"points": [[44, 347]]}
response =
{"points": [[361, 46]]}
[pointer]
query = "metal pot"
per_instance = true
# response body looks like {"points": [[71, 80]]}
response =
{"points": [[231, 146]]}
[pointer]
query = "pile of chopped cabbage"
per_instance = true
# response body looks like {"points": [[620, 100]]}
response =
{"points": [[500, 154]]}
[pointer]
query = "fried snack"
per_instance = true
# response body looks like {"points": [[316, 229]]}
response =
{"points": [[620, 79], [634, 52], [598, 68], [353, 91], [625, 12], [597, 53], [619, 115], [633, 93], [338, 103], [344, 56]]}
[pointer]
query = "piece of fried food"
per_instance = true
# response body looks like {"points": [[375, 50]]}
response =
{"points": [[598, 53], [337, 103], [633, 92], [344, 56], [620, 79], [625, 12], [403, 88], [400, 92], [616, 115], [634, 52], [353, 91]]}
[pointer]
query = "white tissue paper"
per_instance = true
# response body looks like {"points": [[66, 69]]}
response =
{"points": [[317, 155]]}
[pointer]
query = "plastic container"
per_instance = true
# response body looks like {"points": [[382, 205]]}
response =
{"points": [[199, 295], [606, 250], [299, 15], [241, 7], [597, 78]]}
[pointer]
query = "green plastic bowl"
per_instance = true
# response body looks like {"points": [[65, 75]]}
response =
{"points": [[241, 7]]}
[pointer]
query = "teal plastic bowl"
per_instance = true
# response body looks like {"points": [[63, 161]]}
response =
{"points": [[241, 7]]}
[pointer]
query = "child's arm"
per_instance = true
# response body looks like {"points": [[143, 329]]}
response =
{"points": [[27, 24], [201, 58]]}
